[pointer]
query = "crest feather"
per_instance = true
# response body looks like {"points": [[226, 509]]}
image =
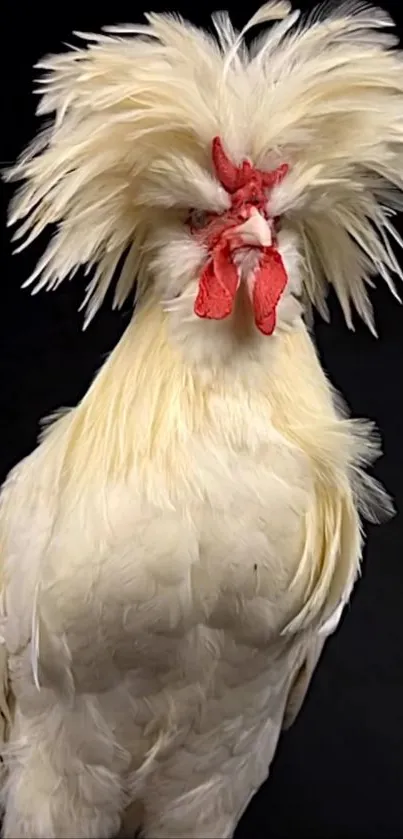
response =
{"points": [[324, 94]]}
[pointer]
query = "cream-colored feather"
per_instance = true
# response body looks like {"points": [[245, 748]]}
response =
{"points": [[178, 547], [324, 95]]}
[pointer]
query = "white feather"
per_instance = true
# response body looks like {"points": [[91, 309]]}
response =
{"points": [[324, 95]]}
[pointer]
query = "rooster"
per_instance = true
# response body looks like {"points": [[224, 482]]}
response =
{"points": [[179, 546]]}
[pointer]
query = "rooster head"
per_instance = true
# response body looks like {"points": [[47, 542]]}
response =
{"points": [[231, 184]]}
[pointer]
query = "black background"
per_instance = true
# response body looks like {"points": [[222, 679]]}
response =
{"points": [[339, 771]]}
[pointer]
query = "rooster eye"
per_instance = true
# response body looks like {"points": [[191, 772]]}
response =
{"points": [[197, 219]]}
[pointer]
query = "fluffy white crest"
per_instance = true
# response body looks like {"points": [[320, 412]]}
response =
{"points": [[133, 114]]}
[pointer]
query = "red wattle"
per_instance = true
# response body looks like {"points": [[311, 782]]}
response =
{"points": [[217, 286], [268, 285]]}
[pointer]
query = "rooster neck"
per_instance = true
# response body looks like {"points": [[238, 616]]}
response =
{"points": [[149, 402], [228, 350]]}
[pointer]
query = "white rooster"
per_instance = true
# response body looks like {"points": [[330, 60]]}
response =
{"points": [[178, 547]]}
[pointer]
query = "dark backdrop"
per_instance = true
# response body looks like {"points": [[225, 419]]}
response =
{"points": [[339, 771]]}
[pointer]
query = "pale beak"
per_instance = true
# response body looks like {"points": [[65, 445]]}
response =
{"points": [[255, 231]]}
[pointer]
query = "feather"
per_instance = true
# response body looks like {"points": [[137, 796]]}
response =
{"points": [[333, 90], [273, 10], [35, 640]]}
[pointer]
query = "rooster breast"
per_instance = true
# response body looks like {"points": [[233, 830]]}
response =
{"points": [[166, 605]]}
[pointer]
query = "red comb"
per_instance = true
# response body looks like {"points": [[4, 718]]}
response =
{"points": [[227, 172], [234, 177]]}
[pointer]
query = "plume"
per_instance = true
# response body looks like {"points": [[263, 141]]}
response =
{"points": [[134, 107]]}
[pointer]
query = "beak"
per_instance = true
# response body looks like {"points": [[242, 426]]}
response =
{"points": [[255, 231]]}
